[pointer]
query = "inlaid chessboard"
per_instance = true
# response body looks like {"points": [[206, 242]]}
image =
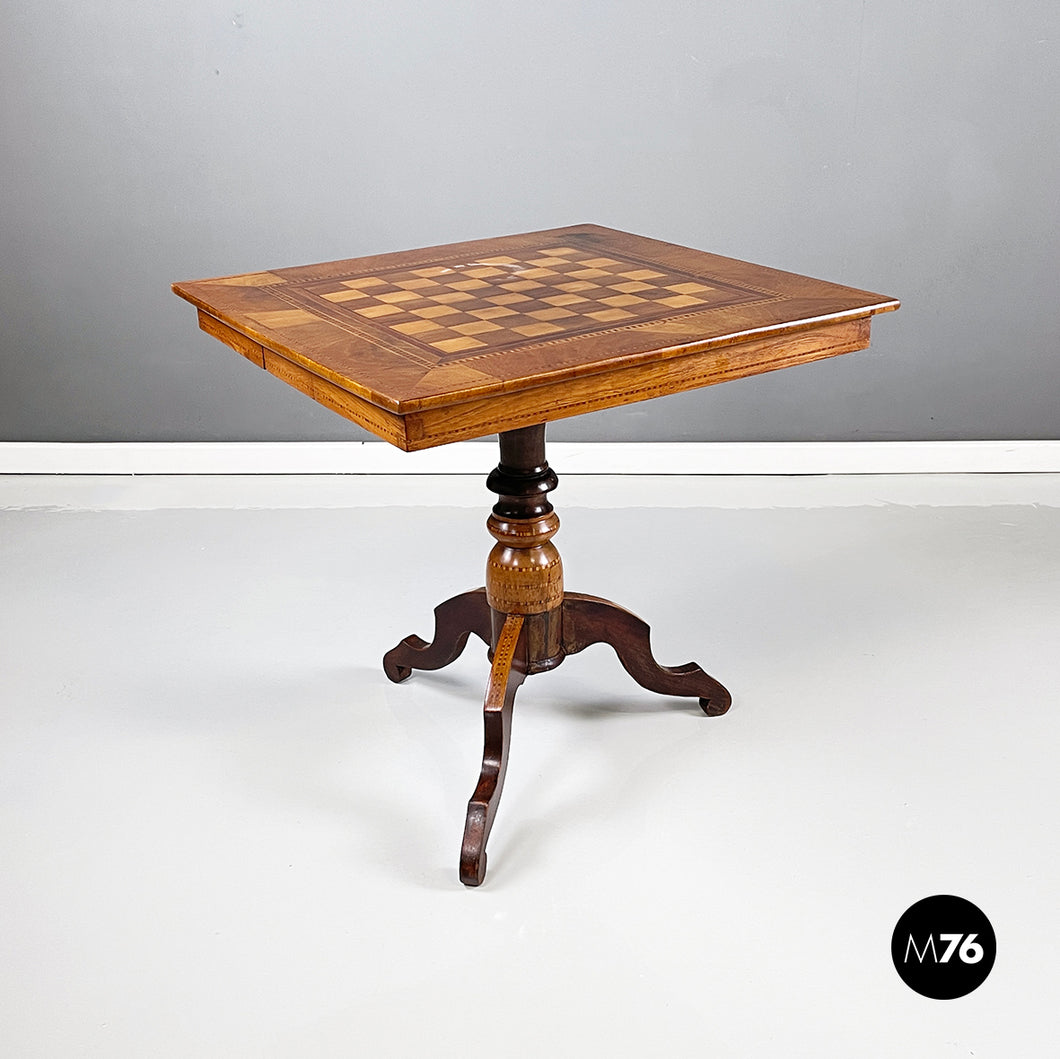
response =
{"points": [[427, 346], [498, 302]]}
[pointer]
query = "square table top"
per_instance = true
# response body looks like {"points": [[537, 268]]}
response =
{"points": [[447, 343]]}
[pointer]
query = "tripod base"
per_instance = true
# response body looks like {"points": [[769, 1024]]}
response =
{"points": [[583, 620]]}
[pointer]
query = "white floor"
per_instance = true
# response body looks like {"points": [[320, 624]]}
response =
{"points": [[225, 833]]}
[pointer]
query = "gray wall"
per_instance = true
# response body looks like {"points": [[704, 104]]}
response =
{"points": [[907, 147]]}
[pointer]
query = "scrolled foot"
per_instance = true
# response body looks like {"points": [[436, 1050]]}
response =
{"points": [[588, 620], [507, 673], [718, 705], [454, 621], [473, 851]]}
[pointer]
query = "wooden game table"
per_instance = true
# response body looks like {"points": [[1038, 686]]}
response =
{"points": [[425, 347]]}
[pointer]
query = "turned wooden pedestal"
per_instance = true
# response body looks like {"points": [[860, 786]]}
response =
{"points": [[531, 624]]}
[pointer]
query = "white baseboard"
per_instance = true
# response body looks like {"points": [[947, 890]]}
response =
{"points": [[477, 457]]}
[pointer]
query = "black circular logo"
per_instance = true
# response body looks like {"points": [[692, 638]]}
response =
{"points": [[943, 947]]}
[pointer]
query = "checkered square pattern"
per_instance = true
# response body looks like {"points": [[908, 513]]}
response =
{"points": [[460, 309]]}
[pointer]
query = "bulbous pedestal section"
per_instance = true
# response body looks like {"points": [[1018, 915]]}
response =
{"points": [[524, 573]]}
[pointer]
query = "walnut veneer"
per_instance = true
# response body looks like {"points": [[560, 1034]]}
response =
{"points": [[425, 347]]}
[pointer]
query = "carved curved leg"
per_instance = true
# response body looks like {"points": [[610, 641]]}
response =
{"points": [[454, 621], [588, 620], [507, 673]]}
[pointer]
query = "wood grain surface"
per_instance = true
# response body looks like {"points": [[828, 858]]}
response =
{"points": [[428, 346]]}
